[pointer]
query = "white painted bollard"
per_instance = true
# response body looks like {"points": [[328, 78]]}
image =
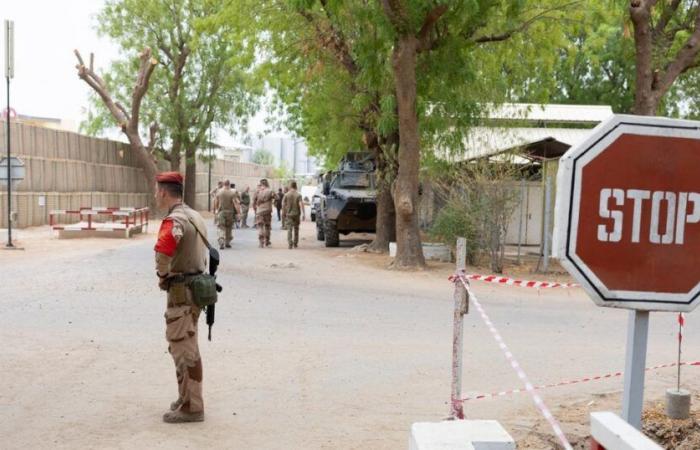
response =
{"points": [[612, 433], [460, 435]]}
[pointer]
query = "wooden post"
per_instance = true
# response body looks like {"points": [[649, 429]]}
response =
{"points": [[460, 309]]}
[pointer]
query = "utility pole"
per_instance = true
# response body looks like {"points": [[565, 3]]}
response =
{"points": [[9, 73], [211, 144]]}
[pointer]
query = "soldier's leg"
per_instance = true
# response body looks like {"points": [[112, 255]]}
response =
{"points": [[296, 232], [221, 229], [244, 216], [229, 229], [259, 224], [181, 332], [288, 224], [267, 227]]}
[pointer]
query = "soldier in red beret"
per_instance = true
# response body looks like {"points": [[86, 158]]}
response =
{"points": [[181, 252]]}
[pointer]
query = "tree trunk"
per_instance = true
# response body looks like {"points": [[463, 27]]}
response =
{"points": [[146, 161], [386, 213], [191, 178], [409, 251], [176, 156]]}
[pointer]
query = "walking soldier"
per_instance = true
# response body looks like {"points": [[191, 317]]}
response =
{"points": [[181, 253], [226, 207], [292, 208], [263, 212]]}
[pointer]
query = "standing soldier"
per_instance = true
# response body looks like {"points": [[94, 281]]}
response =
{"points": [[181, 252], [292, 208], [245, 205], [263, 212], [226, 207]]}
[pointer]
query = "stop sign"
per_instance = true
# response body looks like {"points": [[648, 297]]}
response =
{"points": [[627, 221]]}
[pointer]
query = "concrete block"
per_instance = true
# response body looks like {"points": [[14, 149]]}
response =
{"points": [[431, 251], [677, 403], [613, 433], [460, 435]]}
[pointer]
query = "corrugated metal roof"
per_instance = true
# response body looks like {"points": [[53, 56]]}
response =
{"points": [[484, 141], [551, 113]]}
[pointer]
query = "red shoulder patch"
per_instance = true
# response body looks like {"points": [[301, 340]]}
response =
{"points": [[166, 241]]}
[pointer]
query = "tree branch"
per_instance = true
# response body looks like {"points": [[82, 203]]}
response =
{"points": [[424, 35], [520, 28], [666, 15], [685, 58], [148, 64]]}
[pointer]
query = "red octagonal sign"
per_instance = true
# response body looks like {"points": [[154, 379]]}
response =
{"points": [[628, 213]]}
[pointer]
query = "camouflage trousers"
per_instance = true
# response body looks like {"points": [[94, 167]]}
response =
{"points": [[292, 224], [264, 222], [225, 226], [181, 318], [244, 216]]}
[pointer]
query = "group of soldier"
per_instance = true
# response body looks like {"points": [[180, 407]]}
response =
{"points": [[231, 209]]}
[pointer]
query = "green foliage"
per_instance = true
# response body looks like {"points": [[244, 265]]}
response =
{"points": [[204, 72], [479, 197], [455, 220], [262, 157]]}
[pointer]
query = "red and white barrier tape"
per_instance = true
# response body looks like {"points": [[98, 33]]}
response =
{"points": [[568, 382], [522, 283], [516, 366]]}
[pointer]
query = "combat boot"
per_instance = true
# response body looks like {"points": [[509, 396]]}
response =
{"points": [[183, 417], [176, 404]]}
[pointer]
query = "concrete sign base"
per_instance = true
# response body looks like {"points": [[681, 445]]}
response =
{"points": [[460, 435]]}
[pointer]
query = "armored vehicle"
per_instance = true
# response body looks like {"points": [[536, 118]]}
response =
{"points": [[348, 201]]}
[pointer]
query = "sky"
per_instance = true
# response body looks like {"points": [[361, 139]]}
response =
{"points": [[46, 82]]}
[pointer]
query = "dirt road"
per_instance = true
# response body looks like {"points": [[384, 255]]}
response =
{"points": [[312, 348]]}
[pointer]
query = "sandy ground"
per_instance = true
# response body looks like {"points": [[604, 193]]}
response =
{"points": [[313, 348]]}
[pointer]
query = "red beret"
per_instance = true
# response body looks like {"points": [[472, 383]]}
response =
{"points": [[169, 177]]}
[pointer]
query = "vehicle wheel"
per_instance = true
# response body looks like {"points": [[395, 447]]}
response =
{"points": [[330, 230], [319, 231]]}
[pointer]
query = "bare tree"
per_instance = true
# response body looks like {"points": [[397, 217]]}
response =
{"points": [[128, 120]]}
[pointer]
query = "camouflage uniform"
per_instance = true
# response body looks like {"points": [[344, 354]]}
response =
{"points": [[180, 251], [245, 205], [226, 215], [263, 214], [292, 213]]}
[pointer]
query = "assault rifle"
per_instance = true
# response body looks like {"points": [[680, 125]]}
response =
{"points": [[213, 265]]}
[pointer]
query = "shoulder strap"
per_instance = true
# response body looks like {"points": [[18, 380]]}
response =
{"points": [[197, 228]]}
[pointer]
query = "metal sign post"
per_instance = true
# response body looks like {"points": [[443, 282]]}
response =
{"points": [[635, 362], [9, 73], [628, 226]]}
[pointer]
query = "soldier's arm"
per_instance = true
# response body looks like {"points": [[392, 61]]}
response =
{"points": [[285, 200], [169, 235], [216, 203], [301, 208]]}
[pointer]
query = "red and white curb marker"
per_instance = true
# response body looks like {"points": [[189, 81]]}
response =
{"points": [[568, 382], [516, 366], [521, 283]]}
